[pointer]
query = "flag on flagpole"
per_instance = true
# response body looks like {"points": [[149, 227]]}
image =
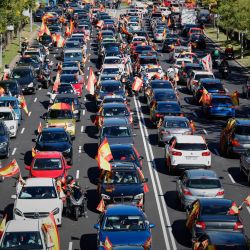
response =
{"points": [[104, 155], [147, 243], [107, 244], [247, 200], [10, 170], [101, 206], [57, 82], [145, 186], [33, 152], [207, 63], [24, 104], [233, 209], [39, 129], [137, 84], [90, 87], [3, 225]]}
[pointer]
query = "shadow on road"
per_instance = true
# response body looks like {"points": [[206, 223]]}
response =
{"points": [[88, 241]]}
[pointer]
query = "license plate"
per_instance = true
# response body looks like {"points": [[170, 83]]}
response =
{"points": [[191, 157]]}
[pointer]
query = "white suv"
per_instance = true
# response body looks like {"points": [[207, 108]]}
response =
{"points": [[186, 152], [9, 117], [36, 199]]}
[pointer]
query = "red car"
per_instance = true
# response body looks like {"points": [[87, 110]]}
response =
{"points": [[50, 164]]}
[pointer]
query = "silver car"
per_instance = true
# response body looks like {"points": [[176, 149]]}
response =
{"points": [[198, 183], [172, 126]]}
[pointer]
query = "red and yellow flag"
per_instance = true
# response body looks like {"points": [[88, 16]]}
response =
{"points": [[33, 152], [39, 129], [10, 170], [205, 97], [100, 24], [67, 31], [24, 104], [107, 244], [235, 98], [192, 126], [51, 231], [247, 200], [3, 225], [137, 84], [90, 87], [101, 206], [169, 22], [147, 243], [233, 209], [104, 155], [71, 26], [57, 82], [145, 186]]}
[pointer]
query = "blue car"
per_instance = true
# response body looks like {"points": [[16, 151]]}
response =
{"points": [[220, 106], [7, 101], [123, 225]]}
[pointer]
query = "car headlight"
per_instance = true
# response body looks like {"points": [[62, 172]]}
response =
{"points": [[12, 127], [56, 211], [18, 212], [31, 85], [67, 151], [105, 197], [138, 196]]}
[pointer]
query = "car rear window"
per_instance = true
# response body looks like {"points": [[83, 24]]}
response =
{"points": [[199, 76], [203, 183], [215, 209], [191, 146], [242, 130], [216, 101], [176, 124]]}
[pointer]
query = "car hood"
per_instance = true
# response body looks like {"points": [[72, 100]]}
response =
{"points": [[47, 173], [122, 189], [123, 237]]}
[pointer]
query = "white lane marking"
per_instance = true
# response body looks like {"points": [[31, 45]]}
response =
{"points": [[83, 112], [35, 99], [85, 99], [231, 178], [194, 113], [79, 149], [205, 131], [22, 130], [77, 174], [87, 77], [163, 225], [82, 129], [88, 68], [70, 245], [226, 90], [40, 88], [216, 152], [248, 209], [14, 151], [29, 113]]}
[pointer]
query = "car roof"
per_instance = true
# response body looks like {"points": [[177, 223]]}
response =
{"points": [[26, 225], [121, 121], [66, 95], [163, 90], [113, 105], [226, 238], [53, 129], [122, 209], [39, 182], [69, 50], [204, 201], [117, 165], [189, 139], [8, 98], [110, 82], [202, 72], [120, 146], [221, 96], [5, 109], [201, 173], [168, 102]]}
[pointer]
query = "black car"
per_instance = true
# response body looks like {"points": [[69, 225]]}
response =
{"points": [[122, 185], [198, 41], [55, 139], [185, 71], [11, 86], [26, 77], [168, 44], [38, 15], [222, 240], [246, 89], [33, 61], [212, 214], [4, 140], [46, 40], [71, 99]]}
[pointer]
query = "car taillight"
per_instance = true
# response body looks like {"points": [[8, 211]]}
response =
{"points": [[195, 81], [207, 153], [176, 153], [231, 107], [186, 192], [159, 115], [220, 193], [201, 224], [201, 90], [238, 225], [235, 143]]}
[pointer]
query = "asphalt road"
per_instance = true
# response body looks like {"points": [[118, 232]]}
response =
{"points": [[161, 207]]}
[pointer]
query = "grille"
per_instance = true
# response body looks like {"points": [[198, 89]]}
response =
{"points": [[33, 215]]}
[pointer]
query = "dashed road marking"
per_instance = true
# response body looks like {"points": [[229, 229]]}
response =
{"points": [[226, 90], [216, 152], [79, 149], [87, 77], [29, 114], [248, 209], [231, 178], [35, 99], [40, 88], [83, 112], [70, 245], [22, 130], [14, 151], [77, 174], [85, 99], [82, 129], [205, 131]]}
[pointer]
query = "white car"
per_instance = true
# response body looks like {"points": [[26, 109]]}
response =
{"points": [[30, 231], [114, 61], [36, 199], [134, 26], [10, 118], [187, 152]]}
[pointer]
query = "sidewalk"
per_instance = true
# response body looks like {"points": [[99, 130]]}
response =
{"points": [[11, 53]]}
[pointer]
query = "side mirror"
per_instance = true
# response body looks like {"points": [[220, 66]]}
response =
{"points": [[151, 225], [13, 196], [68, 167], [145, 180], [97, 226], [28, 168]]}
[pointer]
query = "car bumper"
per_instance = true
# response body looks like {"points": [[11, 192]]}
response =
{"points": [[190, 166], [188, 200]]}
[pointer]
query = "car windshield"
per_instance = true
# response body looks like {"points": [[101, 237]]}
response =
{"points": [[47, 164], [72, 55], [165, 107], [215, 209], [66, 100], [22, 241], [42, 192], [123, 154], [242, 130], [68, 78], [124, 223], [109, 100], [203, 183], [70, 71], [20, 74], [8, 103], [121, 177], [116, 111], [163, 96], [60, 114], [6, 116], [176, 124], [116, 131], [110, 71], [139, 39], [111, 88], [191, 146], [27, 60], [11, 85], [65, 88], [45, 38], [221, 101], [54, 137], [199, 76], [160, 85], [113, 61]]}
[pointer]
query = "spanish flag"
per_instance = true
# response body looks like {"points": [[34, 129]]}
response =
{"points": [[233, 209], [57, 82], [10, 170], [104, 156], [101, 206], [24, 104], [235, 98], [137, 84], [67, 31], [33, 152], [39, 129], [107, 244], [71, 26], [50, 228], [90, 87], [3, 225], [169, 22], [205, 98], [147, 243], [145, 187], [247, 200]]}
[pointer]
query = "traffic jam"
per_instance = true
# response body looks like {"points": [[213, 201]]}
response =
{"points": [[124, 127]]}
